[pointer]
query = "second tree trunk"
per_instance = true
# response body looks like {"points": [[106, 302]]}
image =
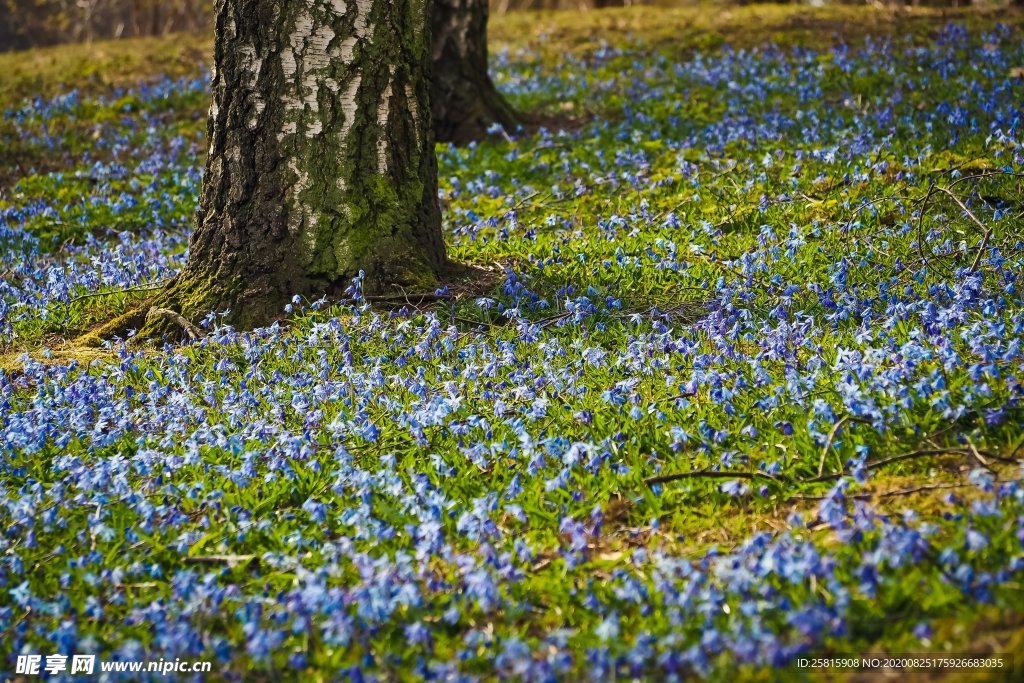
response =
{"points": [[464, 101]]}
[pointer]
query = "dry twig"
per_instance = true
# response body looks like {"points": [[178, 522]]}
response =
{"points": [[230, 560], [709, 474]]}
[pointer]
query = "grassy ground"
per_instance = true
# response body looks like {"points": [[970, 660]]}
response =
{"points": [[741, 286], [104, 65]]}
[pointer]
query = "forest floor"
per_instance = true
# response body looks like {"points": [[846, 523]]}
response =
{"points": [[747, 390]]}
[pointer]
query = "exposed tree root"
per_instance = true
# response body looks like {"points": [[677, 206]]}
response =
{"points": [[117, 327], [158, 318], [181, 321]]}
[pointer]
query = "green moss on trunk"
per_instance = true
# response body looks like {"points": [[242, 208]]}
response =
{"points": [[321, 158]]}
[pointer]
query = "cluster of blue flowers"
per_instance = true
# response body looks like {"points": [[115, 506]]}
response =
{"points": [[774, 285]]}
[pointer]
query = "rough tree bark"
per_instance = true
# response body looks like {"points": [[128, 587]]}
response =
{"points": [[321, 158], [465, 102]]}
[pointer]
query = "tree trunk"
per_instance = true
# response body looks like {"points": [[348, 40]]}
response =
{"points": [[136, 18], [321, 158], [465, 101], [188, 8], [154, 25]]}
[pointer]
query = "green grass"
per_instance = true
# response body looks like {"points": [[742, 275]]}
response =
{"points": [[103, 65]]}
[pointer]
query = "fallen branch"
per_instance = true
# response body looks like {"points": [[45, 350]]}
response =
{"points": [[128, 290], [709, 474], [677, 397], [981, 250], [522, 202], [407, 298], [544, 322], [918, 489], [884, 494], [1016, 450], [230, 560], [985, 230], [887, 461], [920, 221]]}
